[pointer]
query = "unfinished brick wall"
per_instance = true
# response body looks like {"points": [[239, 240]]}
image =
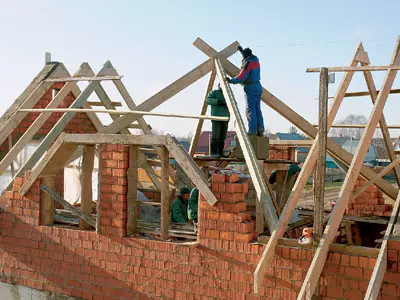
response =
{"points": [[108, 266], [279, 152], [370, 202]]}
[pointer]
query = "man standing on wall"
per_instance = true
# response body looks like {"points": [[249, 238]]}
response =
{"points": [[250, 77]]}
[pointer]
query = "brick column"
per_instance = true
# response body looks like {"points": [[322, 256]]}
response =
{"points": [[228, 221], [26, 208], [113, 185]]}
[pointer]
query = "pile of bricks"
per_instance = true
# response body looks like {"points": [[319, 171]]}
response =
{"points": [[228, 219], [278, 152], [370, 202]]}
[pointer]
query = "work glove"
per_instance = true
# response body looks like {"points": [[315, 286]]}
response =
{"points": [[228, 79], [240, 48]]}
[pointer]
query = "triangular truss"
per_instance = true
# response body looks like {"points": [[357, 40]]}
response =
{"points": [[218, 64]]}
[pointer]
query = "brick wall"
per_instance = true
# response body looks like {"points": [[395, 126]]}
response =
{"points": [[109, 266], [278, 152], [370, 202]]}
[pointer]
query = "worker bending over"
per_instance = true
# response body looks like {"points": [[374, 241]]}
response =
{"points": [[193, 206], [217, 102], [250, 77]]}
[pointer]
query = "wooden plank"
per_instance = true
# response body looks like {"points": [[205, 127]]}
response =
{"points": [[319, 181], [75, 79], [99, 179], [67, 205], [10, 145], [38, 169], [298, 188], [190, 168], [366, 93], [355, 69], [378, 273], [127, 139], [263, 195], [86, 183], [320, 256], [123, 112], [362, 126], [295, 143], [170, 91], [285, 111], [196, 136], [382, 122], [132, 174], [149, 170], [47, 203], [97, 103], [165, 205]]}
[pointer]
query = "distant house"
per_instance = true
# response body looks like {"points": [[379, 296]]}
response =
{"points": [[351, 146], [203, 146], [300, 152]]}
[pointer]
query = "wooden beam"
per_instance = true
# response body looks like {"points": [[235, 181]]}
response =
{"points": [[378, 273], [127, 139], [165, 205], [75, 79], [191, 169], [99, 179], [366, 93], [285, 111], [362, 126], [355, 69], [170, 91], [263, 195], [10, 145], [319, 181], [123, 112], [86, 183], [97, 103], [320, 256], [295, 143], [47, 203], [68, 206], [298, 188], [382, 122], [149, 170], [196, 136], [132, 174]]}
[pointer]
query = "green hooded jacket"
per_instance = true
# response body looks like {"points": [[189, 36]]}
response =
{"points": [[179, 211], [217, 102], [193, 205]]}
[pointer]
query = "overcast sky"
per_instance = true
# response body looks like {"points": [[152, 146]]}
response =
{"points": [[150, 44]]}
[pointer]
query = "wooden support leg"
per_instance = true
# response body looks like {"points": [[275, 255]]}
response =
{"points": [[98, 204], [165, 195], [86, 183], [47, 203], [280, 187], [132, 174]]}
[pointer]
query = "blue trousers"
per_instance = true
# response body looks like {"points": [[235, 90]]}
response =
{"points": [[253, 108]]}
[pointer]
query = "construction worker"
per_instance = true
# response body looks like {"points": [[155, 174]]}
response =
{"points": [[193, 206], [250, 77], [219, 128], [293, 170], [179, 213]]}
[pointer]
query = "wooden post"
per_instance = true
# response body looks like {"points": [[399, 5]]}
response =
{"points": [[132, 174], [47, 203], [10, 145], [321, 156], [165, 195], [319, 178], [86, 183], [98, 204]]}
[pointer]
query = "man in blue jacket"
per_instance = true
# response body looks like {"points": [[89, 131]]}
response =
{"points": [[249, 76]]}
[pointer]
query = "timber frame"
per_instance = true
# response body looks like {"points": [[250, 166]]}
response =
{"points": [[58, 149]]}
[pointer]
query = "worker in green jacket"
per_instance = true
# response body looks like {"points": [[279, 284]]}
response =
{"points": [[217, 102], [293, 169], [193, 206], [179, 207]]}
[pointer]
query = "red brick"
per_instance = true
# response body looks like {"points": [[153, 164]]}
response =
{"points": [[243, 237], [234, 188], [218, 178], [226, 235], [232, 178]]}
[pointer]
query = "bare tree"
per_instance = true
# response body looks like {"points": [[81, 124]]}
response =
{"points": [[354, 133], [293, 129]]}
